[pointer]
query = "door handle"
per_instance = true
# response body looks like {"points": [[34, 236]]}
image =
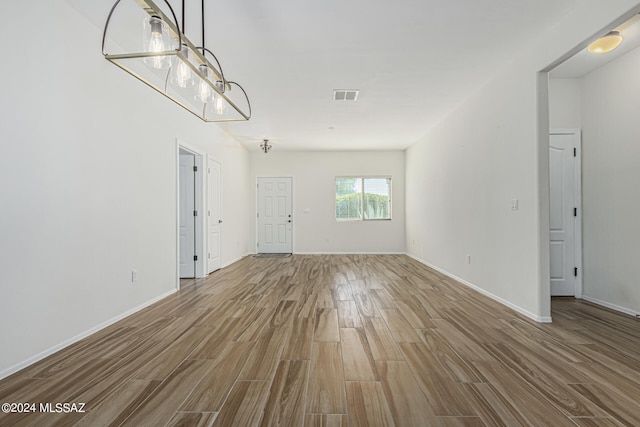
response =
{"points": [[219, 221]]}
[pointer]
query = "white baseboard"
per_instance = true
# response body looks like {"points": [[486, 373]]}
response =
{"points": [[66, 343], [233, 261], [606, 304], [539, 319]]}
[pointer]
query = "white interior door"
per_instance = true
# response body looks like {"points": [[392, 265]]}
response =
{"points": [[186, 216], [274, 215], [214, 215], [564, 185]]}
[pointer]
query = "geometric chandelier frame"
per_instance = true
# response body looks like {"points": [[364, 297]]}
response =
{"points": [[161, 56]]}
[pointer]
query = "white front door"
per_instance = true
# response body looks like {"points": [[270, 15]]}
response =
{"points": [[214, 215], [564, 184], [274, 215], [187, 218]]}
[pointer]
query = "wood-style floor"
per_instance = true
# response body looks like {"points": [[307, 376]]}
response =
{"points": [[341, 340]]}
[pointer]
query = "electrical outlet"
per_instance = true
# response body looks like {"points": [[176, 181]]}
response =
{"points": [[134, 276], [468, 259], [515, 204]]}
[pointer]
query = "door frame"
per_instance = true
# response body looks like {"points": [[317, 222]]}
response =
{"points": [[186, 219], [578, 202], [257, 209], [200, 223]]}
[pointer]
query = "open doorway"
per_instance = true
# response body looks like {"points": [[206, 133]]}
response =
{"points": [[596, 94], [191, 262]]}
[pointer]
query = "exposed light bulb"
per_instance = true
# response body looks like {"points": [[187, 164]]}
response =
{"points": [[203, 93], [181, 74], [154, 42], [220, 104]]}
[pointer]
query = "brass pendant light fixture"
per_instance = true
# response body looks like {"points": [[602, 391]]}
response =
{"points": [[169, 62]]}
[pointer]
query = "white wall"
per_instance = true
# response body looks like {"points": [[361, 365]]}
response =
{"points": [[462, 176], [88, 184], [611, 173], [314, 176], [461, 180], [565, 104]]}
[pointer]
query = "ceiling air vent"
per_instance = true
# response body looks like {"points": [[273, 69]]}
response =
{"points": [[345, 94]]}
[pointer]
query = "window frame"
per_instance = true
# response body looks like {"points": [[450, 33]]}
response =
{"points": [[362, 178]]}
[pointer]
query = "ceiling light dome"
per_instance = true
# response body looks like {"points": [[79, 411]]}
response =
{"points": [[606, 44]]}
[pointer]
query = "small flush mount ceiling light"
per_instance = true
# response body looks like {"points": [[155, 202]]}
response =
{"points": [[169, 62], [265, 146], [606, 44]]}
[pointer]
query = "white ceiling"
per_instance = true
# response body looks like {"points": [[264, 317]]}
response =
{"points": [[412, 60]]}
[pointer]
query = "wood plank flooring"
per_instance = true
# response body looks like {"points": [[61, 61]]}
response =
{"points": [[340, 340]]}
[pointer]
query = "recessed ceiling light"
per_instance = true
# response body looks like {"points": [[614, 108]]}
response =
{"points": [[606, 44]]}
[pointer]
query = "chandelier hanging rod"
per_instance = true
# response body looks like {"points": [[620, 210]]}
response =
{"points": [[202, 17], [202, 46]]}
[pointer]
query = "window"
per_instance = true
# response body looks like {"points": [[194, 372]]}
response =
{"points": [[363, 198]]}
